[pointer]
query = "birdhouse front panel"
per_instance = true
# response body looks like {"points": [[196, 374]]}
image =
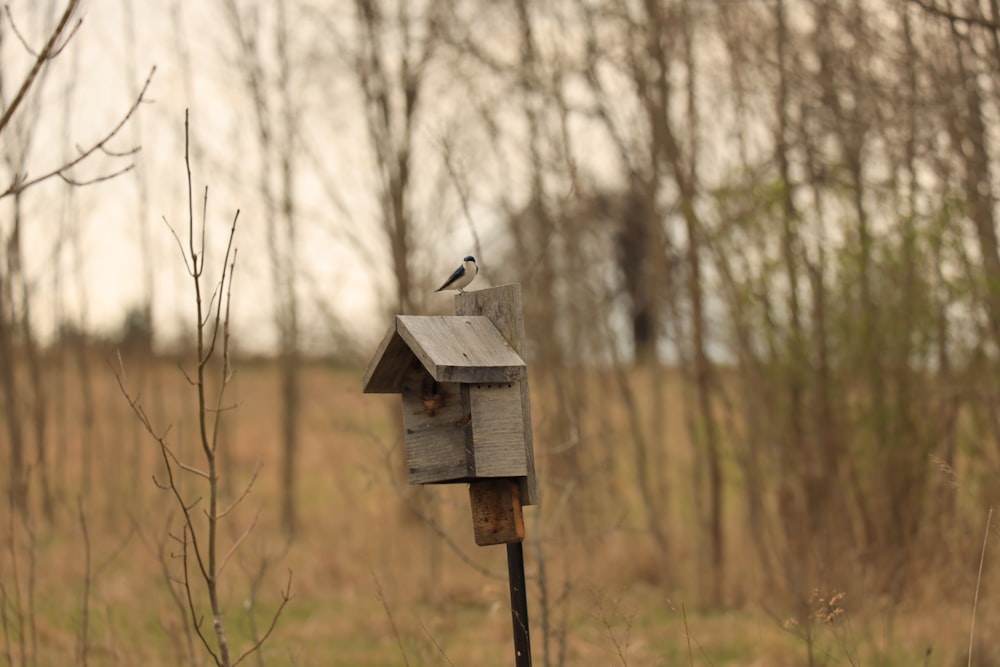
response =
{"points": [[434, 424], [497, 429]]}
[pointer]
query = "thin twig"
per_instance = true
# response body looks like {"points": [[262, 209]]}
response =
{"points": [[621, 646], [160, 550], [691, 638], [196, 620], [144, 420], [687, 634], [17, 32], [392, 621], [968, 19], [97, 179], [220, 286], [22, 183], [85, 601], [180, 245], [48, 52], [979, 580], [246, 492], [110, 153], [237, 543], [286, 595], [6, 626], [436, 645]]}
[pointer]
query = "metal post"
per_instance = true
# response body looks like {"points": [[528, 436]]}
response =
{"points": [[519, 604]]}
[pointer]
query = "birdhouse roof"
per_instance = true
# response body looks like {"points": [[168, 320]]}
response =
{"points": [[453, 348]]}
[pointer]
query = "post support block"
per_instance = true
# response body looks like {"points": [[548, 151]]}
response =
{"points": [[496, 511]]}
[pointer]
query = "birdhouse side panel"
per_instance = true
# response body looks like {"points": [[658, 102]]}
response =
{"points": [[498, 430], [434, 429]]}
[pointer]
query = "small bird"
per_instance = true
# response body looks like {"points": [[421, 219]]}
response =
{"points": [[462, 277]]}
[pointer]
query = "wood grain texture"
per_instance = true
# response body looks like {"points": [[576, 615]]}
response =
{"points": [[497, 517], [503, 306], [385, 370], [497, 430], [452, 348], [435, 438], [461, 349]]}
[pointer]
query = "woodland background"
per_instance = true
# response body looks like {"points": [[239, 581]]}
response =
{"points": [[758, 246]]}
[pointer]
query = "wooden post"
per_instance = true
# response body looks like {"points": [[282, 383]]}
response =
{"points": [[496, 504], [502, 305]]}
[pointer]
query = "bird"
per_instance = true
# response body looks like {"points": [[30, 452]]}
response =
{"points": [[462, 276]]}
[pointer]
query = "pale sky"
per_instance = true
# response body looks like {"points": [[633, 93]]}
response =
{"points": [[193, 56]]}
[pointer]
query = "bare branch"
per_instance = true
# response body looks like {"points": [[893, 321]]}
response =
{"points": [[932, 8], [97, 179], [183, 466], [211, 305], [168, 460], [246, 492], [58, 50], [392, 620], [225, 408], [22, 183], [219, 287], [286, 595], [191, 381], [200, 543], [461, 188], [100, 568], [88, 579], [436, 645], [127, 153], [144, 420], [204, 225], [17, 32], [237, 543], [180, 245], [196, 620], [48, 52]]}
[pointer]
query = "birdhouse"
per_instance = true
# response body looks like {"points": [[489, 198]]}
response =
{"points": [[464, 391], [460, 384]]}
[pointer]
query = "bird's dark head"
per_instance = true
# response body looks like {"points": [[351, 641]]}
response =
{"points": [[470, 258]]}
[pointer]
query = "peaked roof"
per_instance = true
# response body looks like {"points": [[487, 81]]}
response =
{"points": [[453, 348]]}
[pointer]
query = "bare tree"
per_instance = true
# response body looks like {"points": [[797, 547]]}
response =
{"points": [[202, 562], [392, 77], [18, 125], [277, 113]]}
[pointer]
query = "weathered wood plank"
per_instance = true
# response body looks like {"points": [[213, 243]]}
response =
{"points": [[502, 305], [497, 517], [452, 348], [386, 368], [435, 429], [461, 349], [497, 430]]}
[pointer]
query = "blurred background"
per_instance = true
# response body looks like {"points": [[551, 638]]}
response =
{"points": [[758, 246]]}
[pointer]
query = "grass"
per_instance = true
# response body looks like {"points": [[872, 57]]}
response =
{"points": [[356, 529]]}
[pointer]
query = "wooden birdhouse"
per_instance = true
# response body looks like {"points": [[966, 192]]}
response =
{"points": [[463, 385], [459, 381]]}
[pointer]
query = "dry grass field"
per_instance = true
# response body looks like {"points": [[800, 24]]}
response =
{"points": [[372, 582]]}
